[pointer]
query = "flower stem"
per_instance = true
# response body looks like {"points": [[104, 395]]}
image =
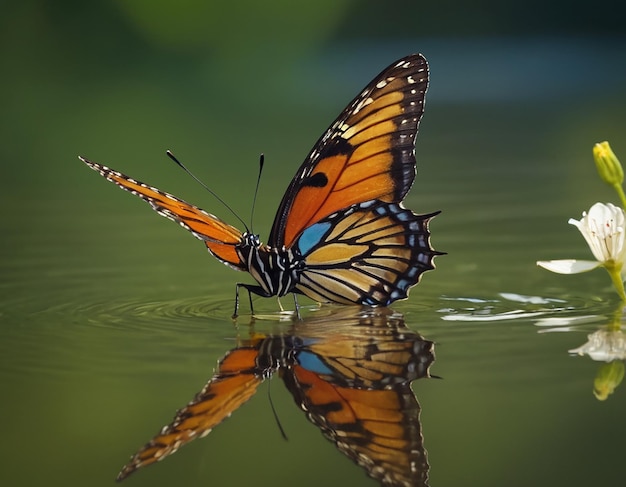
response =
{"points": [[620, 192], [616, 277], [615, 324]]}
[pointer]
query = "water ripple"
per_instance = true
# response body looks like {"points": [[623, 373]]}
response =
{"points": [[511, 306]]}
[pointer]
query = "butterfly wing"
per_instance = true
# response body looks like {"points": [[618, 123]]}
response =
{"points": [[234, 383], [377, 429], [219, 237], [355, 386], [371, 253], [367, 153]]}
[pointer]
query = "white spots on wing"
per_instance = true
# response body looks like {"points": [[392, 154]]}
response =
{"points": [[384, 82], [410, 80], [349, 132], [412, 121], [314, 155], [363, 104]]}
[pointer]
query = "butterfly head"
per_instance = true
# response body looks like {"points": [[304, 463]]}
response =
{"points": [[251, 240]]}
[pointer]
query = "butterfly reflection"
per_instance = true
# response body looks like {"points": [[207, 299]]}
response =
{"points": [[350, 370]]}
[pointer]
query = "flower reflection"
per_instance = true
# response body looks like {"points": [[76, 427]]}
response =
{"points": [[603, 229], [604, 346], [350, 371], [607, 345], [609, 376]]}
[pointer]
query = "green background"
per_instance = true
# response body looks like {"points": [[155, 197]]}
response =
{"points": [[111, 318]]}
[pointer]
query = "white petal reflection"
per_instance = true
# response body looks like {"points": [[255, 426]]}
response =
{"points": [[604, 346], [508, 315], [567, 323], [520, 298]]}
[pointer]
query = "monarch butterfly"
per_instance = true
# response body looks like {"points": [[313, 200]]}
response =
{"points": [[341, 234], [350, 372]]}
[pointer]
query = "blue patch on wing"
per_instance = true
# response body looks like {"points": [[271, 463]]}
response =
{"points": [[312, 236], [313, 363]]}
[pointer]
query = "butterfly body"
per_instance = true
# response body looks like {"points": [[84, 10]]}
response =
{"points": [[340, 233], [275, 269]]}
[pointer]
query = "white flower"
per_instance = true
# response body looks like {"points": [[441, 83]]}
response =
{"points": [[603, 229], [604, 346]]}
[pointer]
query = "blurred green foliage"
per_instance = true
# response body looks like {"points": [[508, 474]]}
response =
{"points": [[82, 76], [218, 83]]}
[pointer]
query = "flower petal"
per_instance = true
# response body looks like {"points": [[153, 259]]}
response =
{"points": [[568, 266], [603, 229]]}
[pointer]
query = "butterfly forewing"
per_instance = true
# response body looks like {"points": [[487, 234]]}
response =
{"points": [[219, 237], [233, 384], [367, 153], [377, 429], [361, 399]]}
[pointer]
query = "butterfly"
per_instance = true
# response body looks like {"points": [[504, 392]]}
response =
{"points": [[350, 372], [340, 234]]}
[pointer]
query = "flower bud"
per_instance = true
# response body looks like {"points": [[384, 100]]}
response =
{"points": [[608, 165], [607, 379]]}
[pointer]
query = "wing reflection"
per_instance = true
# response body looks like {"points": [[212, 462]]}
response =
{"points": [[349, 370]]}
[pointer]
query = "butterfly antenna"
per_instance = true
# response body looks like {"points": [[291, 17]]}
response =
{"points": [[256, 189], [278, 423], [182, 166]]}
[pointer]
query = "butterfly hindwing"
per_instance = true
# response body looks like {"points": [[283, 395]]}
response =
{"points": [[371, 253], [367, 153], [219, 237]]}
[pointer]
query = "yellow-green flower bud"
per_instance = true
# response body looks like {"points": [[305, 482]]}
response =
{"points": [[608, 165], [607, 379], [609, 168]]}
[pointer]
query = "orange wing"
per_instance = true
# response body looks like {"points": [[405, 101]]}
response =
{"points": [[234, 383], [219, 237], [355, 385], [378, 429], [367, 153]]}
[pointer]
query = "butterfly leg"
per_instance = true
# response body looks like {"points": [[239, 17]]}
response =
{"points": [[251, 289], [297, 306]]}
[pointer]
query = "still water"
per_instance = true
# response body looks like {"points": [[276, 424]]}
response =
{"points": [[113, 319]]}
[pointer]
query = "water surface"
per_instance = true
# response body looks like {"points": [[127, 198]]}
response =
{"points": [[113, 318]]}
